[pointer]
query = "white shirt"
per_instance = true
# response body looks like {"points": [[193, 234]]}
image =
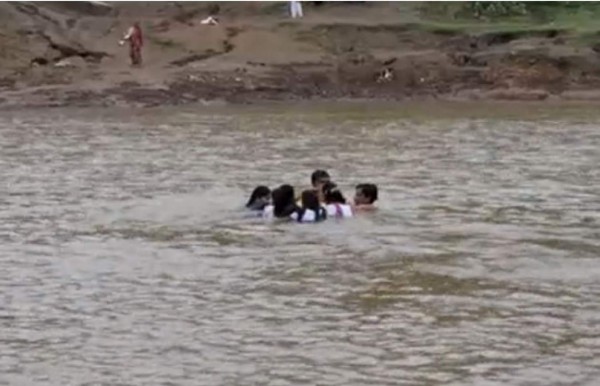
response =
{"points": [[268, 212], [308, 216], [339, 210]]}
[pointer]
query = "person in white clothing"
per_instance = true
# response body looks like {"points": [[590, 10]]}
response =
{"points": [[311, 210], [284, 206], [335, 202], [304, 216], [296, 9], [259, 199], [283, 203], [338, 210], [268, 212]]}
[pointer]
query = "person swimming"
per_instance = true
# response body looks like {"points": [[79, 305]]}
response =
{"points": [[365, 197], [259, 199], [284, 206], [335, 202], [318, 178], [311, 210]]}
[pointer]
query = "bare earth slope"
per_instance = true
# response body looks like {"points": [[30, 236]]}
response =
{"points": [[64, 53]]}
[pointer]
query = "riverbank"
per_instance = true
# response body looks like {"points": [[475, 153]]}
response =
{"points": [[65, 54]]}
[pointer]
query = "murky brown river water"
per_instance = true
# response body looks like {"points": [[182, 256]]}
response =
{"points": [[125, 258]]}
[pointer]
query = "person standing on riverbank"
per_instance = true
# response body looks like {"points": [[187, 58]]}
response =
{"points": [[296, 9], [136, 41]]}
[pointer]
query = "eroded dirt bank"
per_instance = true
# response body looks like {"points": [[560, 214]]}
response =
{"points": [[56, 54]]}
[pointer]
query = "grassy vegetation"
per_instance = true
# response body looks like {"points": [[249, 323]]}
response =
{"points": [[577, 18], [576, 21], [164, 43]]}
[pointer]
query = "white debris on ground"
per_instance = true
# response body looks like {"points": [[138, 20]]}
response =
{"points": [[210, 21], [386, 75]]}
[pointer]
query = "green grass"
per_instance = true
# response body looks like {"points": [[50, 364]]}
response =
{"points": [[164, 43], [574, 18]]}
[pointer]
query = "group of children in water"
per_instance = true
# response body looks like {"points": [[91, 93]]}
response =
{"points": [[323, 201]]}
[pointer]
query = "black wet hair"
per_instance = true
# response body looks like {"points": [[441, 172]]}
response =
{"points": [[283, 201], [310, 200], [317, 175], [259, 191], [332, 194], [369, 191]]}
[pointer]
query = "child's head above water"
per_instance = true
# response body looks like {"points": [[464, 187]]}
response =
{"points": [[319, 177], [332, 194], [283, 201], [260, 197], [366, 194]]}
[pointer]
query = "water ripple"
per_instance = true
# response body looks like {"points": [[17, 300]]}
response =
{"points": [[124, 259]]}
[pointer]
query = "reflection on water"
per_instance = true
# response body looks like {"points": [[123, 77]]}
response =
{"points": [[125, 259]]}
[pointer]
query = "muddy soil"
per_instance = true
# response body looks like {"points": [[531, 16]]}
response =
{"points": [[57, 54]]}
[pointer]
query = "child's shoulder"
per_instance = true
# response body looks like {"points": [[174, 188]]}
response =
{"points": [[364, 208]]}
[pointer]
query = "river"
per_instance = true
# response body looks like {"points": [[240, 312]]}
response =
{"points": [[125, 257]]}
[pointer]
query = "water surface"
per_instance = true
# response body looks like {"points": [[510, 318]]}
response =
{"points": [[125, 259]]}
